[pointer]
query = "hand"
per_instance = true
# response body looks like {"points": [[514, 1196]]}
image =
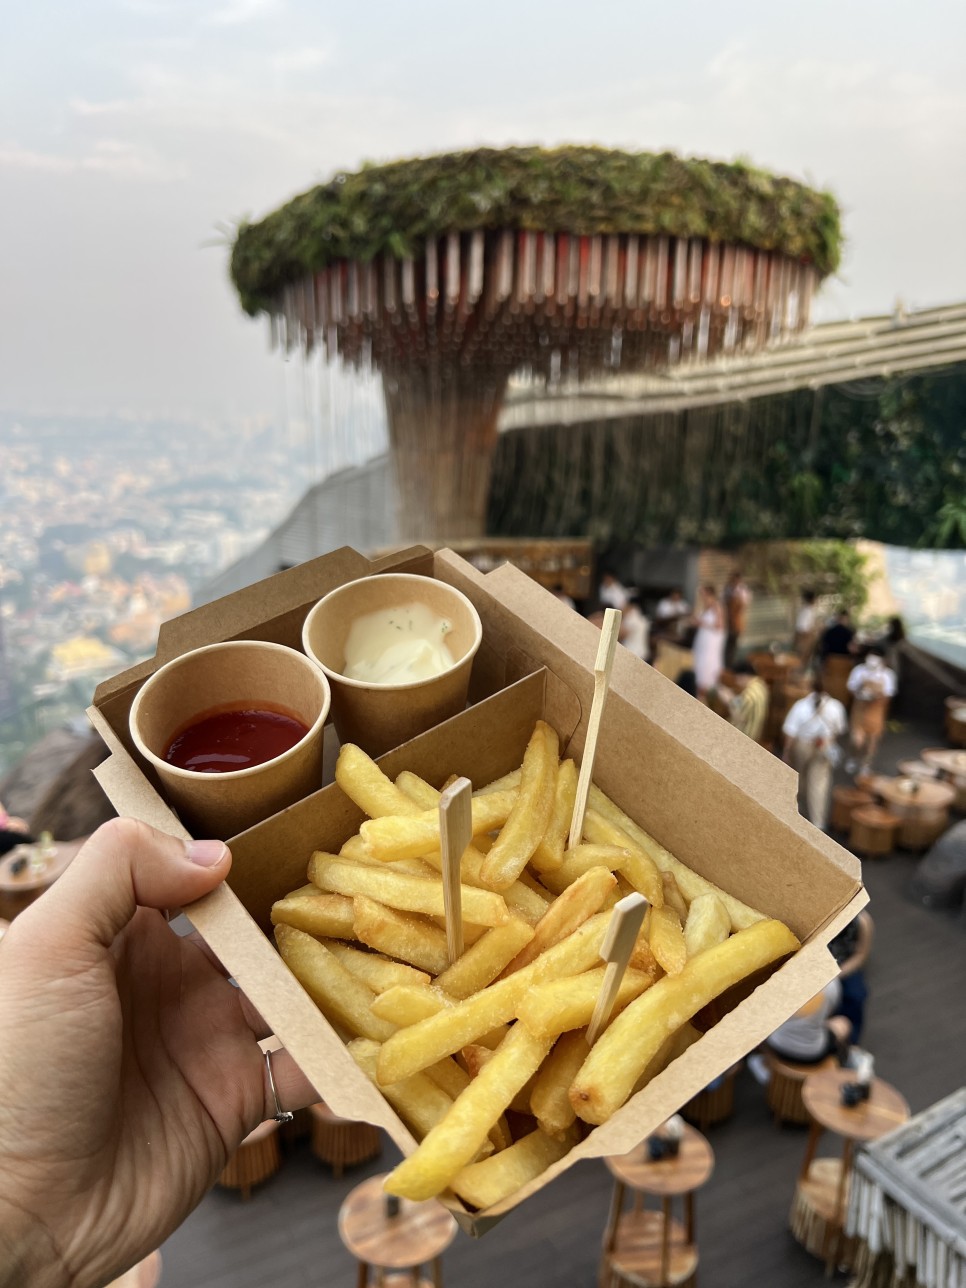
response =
{"points": [[130, 1066]]}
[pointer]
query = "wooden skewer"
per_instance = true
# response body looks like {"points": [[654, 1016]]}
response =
{"points": [[622, 932], [602, 669], [456, 832]]}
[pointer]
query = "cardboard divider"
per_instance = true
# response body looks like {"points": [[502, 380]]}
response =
{"points": [[713, 798]]}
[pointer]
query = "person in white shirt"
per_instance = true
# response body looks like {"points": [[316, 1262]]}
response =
{"points": [[806, 629], [815, 1032], [872, 685], [635, 629], [811, 730], [611, 593], [671, 612]]}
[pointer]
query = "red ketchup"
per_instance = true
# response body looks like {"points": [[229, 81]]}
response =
{"points": [[225, 740]]}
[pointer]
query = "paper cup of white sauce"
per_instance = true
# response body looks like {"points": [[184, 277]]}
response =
{"points": [[219, 682], [378, 712]]}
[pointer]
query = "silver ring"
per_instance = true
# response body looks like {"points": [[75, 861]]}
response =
{"points": [[281, 1115]]}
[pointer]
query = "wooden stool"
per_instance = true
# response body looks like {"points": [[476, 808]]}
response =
{"points": [[715, 1104], [922, 830], [956, 721], [813, 1219], [340, 1142], [917, 769], [873, 831], [416, 1236], [146, 1274], [256, 1159], [648, 1249], [844, 801], [784, 1091]]}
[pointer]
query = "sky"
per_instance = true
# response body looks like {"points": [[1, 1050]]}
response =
{"points": [[135, 133]]}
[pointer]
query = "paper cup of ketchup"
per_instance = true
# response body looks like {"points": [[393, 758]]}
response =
{"points": [[397, 650], [234, 732]]}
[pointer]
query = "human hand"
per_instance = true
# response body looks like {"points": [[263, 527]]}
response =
{"points": [[130, 1067]]}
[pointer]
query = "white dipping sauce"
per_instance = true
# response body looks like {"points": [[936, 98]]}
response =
{"points": [[397, 645]]}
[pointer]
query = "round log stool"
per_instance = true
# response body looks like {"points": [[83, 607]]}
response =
{"points": [[923, 808], [783, 1093], [873, 831], [715, 1104], [146, 1274], [956, 721], [844, 801], [952, 765], [637, 1261], [300, 1128], [814, 1219], [255, 1160], [340, 1142]]}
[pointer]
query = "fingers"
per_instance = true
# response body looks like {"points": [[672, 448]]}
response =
{"points": [[293, 1088], [125, 865]]}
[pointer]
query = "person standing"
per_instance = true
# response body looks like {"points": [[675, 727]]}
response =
{"points": [[670, 613], [635, 628], [611, 593], [737, 598], [748, 704], [872, 685], [806, 629], [709, 642], [811, 731]]}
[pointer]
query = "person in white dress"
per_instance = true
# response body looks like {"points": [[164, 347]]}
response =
{"points": [[709, 642], [611, 593], [635, 629], [811, 730]]}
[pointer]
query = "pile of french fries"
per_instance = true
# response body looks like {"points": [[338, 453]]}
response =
{"points": [[485, 1058]]}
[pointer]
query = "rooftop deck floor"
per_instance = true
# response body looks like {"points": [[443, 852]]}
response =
{"points": [[286, 1235]]}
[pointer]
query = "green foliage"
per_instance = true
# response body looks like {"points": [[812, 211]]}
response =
{"points": [[393, 208], [885, 461]]}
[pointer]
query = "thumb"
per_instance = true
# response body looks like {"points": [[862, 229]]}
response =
{"points": [[123, 866]]}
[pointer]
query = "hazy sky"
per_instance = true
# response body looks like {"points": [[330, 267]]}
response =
{"points": [[131, 129]]}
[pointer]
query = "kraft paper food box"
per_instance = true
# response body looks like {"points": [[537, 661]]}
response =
{"points": [[715, 799]]}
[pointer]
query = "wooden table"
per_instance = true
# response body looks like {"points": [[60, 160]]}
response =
{"points": [[922, 807], [952, 765], [416, 1236], [19, 889], [662, 1250], [885, 1110]]}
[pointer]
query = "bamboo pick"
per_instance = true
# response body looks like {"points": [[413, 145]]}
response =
{"points": [[622, 932], [456, 832], [602, 669]]}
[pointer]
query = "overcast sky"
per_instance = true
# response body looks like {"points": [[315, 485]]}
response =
{"points": [[131, 130]]}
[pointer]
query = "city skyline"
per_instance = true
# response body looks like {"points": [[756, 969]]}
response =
{"points": [[132, 131]]}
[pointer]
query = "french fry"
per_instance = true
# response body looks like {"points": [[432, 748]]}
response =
{"points": [[550, 1098], [454, 1142], [368, 787], [519, 899], [403, 891], [419, 1101], [568, 1003], [676, 1045], [483, 961], [454, 1079], [355, 849], [493, 1179], [508, 783], [422, 1044], [708, 924], [690, 883], [577, 903], [340, 995], [373, 969], [666, 938], [476, 1056], [403, 935], [405, 1004], [631, 1041], [673, 898], [638, 870], [549, 854], [397, 837], [528, 819], [328, 915]]}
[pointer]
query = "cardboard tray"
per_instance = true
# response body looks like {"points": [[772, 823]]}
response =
{"points": [[715, 799]]}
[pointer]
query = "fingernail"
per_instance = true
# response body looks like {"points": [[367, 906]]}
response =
{"points": [[206, 853]]}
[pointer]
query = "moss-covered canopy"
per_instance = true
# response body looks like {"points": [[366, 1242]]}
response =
{"points": [[393, 208]]}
